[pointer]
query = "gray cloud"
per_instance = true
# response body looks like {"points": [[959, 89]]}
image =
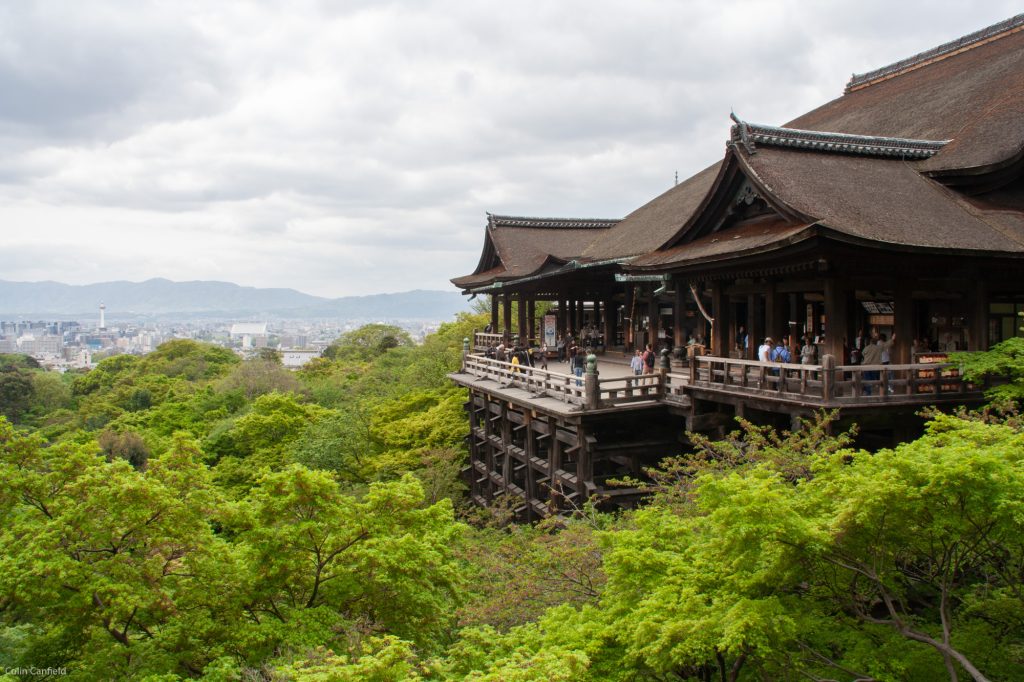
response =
{"points": [[345, 148]]}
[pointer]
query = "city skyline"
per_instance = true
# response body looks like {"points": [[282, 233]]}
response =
{"points": [[356, 151]]}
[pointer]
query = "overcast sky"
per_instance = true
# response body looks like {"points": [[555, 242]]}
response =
{"points": [[345, 148]]}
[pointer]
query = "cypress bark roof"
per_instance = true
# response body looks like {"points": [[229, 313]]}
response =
{"points": [[519, 246]]}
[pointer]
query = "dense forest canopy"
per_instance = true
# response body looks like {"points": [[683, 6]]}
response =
{"points": [[189, 515]]}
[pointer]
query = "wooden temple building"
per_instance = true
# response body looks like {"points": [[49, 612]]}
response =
{"points": [[898, 207]]}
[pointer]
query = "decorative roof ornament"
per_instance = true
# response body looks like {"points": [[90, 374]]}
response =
{"points": [[841, 143], [494, 221], [967, 42], [743, 130]]}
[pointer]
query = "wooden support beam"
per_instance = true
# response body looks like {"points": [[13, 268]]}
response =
{"points": [[521, 326], [978, 321], [720, 314], [610, 319], [837, 293], [531, 474], [755, 325], [531, 318], [629, 324], [506, 309], [653, 321], [903, 323], [678, 313], [494, 313]]}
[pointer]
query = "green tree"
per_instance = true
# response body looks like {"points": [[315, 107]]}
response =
{"points": [[367, 342], [189, 360], [324, 560], [259, 376], [1003, 365], [109, 571], [16, 392]]}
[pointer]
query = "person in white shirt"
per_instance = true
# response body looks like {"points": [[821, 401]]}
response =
{"points": [[764, 349], [637, 363]]}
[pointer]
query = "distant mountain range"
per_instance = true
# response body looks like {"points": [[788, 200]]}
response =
{"points": [[162, 298]]}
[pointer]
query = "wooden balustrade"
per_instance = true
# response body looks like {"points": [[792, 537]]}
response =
{"points": [[539, 382], [823, 385], [483, 340], [629, 389], [831, 385]]}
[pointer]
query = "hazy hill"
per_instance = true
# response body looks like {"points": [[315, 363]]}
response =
{"points": [[162, 297]]}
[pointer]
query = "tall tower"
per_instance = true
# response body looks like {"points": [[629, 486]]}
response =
{"points": [[103, 317]]}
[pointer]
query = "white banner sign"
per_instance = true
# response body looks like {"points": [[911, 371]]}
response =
{"points": [[550, 333]]}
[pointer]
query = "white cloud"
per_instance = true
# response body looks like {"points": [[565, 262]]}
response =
{"points": [[353, 150]]}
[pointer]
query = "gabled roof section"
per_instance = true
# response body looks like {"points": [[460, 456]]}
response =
{"points": [[735, 196], [880, 200], [969, 91], [518, 246], [753, 134], [550, 223], [953, 47], [656, 222]]}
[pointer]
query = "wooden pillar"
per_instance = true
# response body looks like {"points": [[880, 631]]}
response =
{"points": [[720, 314], [570, 324], [978, 310], [773, 314], [836, 312], [563, 316], [584, 465], [531, 318], [678, 313], [702, 326], [506, 444], [793, 325], [506, 313], [628, 322], [521, 318], [653, 320], [610, 310], [531, 474], [578, 316], [554, 451], [494, 313], [903, 323], [755, 330]]}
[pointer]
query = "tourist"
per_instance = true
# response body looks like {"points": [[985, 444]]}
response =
{"points": [[872, 356], [764, 349], [741, 339], [886, 348], [781, 353], [808, 351], [579, 360], [637, 363], [648, 357]]}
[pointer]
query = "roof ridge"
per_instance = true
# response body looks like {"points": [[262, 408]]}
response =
{"points": [[750, 134], [953, 47], [550, 223]]}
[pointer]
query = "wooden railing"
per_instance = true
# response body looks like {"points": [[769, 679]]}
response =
{"points": [[539, 382], [784, 380], [822, 385], [629, 389], [914, 383], [831, 385], [483, 340]]}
